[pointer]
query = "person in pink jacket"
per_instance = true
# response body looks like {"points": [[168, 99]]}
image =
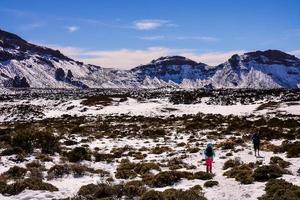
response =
{"points": [[209, 154]]}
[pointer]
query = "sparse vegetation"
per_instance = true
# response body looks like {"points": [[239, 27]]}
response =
{"points": [[278, 189]]}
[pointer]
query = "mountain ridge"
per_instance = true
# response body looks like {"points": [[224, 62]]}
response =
{"points": [[23, 64]]}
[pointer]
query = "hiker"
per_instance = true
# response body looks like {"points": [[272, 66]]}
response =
{"points": [[209, 157], [256, 142]]}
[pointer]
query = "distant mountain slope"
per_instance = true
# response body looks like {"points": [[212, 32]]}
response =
{"points": [[260, 69], [23, 64]]}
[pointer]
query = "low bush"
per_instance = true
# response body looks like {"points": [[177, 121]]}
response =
{"points": [[125, 170], [267, 172], [79, 154], [28, 139], [102, 190], [278, 189], [173, 194], [15, 172], [292, 149], [103, 157], [34, 164], [152, 195], [30, 184], [190, 194], [97, 100], [203, 175], [160, 149], [231, 163], [175, 163], [279, 161], [242, 173], [167, 178], [211, 183], [58, 171], [78, 170], [154, 133], [144, 168], [134, 188]]}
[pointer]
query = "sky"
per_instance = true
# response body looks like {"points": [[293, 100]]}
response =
{"points": [[126, 33]]}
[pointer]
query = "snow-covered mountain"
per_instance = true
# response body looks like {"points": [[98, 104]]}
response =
{"points": [[23, 64], [260, 69]]}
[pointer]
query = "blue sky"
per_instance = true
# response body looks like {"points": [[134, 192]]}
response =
{"points": [[125, 33]]}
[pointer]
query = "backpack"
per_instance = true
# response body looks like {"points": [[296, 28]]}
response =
{"points": [[255, 138], [209, 152]]}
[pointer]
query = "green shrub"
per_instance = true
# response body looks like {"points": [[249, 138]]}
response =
{"points": [[167, 178], [266, 172], [97, 100], [134, 188], [231, 163], [279, 161], [11, 151], [278, 189], [34, 164], [15, 172], [79, 154], [24, 140], [3, 185], [171, 194], [89, 189], [47, 142], [242, 173], [193, 150], [36, 173], [203, 175], [30, 184], [211, 183], [160, 149], [92, 191], [152, 195], [125, 170], [154, 133], [176, 163], [292, 149], [143, 168], [58, 171], [103, 157], [29, 139]]}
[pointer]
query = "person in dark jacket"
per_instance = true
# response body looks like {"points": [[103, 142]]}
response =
{"points": [[209, 154], [256, 143]]}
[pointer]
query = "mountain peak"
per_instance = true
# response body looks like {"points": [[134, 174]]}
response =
{"points": [[4, 35], [173, 60], [272, 57]]}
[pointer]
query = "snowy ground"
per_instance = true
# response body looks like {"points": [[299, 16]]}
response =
{"points": [[133, 107], [228, 188]]}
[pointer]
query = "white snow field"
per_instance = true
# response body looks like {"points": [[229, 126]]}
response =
{"points": [[133, 107], [228, 188]]}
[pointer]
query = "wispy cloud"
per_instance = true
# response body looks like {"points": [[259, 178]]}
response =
{"points": [[129, 58], [32, 20], [72, 29], [31, 26], [150, 24], [295, 53], [199, 38]]}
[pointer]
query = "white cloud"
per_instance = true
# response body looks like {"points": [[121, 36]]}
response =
{"points": [[151, 24], [129, 58], [295, 53], [212, 58], [72, 29], [199, 38], [31, 26]]}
